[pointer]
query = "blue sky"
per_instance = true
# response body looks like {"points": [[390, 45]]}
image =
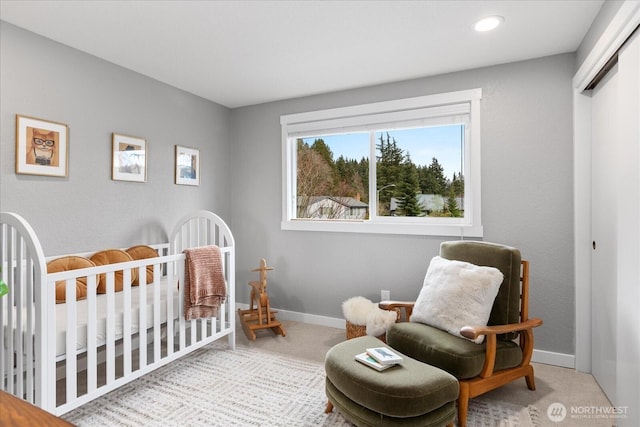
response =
{"points": [[422, 144]]}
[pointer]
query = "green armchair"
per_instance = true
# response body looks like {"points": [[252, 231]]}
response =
{"points": [[505, 353]]}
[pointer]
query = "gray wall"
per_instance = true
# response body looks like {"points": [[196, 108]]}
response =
{"points": [[87, 210], [526, 198]]}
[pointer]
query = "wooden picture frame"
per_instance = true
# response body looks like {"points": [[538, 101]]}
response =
{"points": [[42, 147], [129, 158], [187, 166]]}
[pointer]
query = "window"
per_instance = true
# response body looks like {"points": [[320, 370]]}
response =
{"points": [[409, 166]]}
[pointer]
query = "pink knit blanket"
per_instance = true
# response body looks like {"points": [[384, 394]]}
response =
{"points": [[204, 285]]}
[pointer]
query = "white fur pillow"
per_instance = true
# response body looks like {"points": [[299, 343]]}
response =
{"points": [[457, 294]]}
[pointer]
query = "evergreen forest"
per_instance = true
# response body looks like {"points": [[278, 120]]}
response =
{"points": [[319, 175]]}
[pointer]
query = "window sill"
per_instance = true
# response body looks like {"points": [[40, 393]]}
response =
{"points": [[384, 227]]}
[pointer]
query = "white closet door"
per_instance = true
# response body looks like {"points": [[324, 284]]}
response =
{"points": [[604, 231], [615, 199], [628, 259]]}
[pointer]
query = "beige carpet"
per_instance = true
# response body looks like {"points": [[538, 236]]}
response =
{"points": [[214, 386], [566, 386], [279, 381], [247, 387]]}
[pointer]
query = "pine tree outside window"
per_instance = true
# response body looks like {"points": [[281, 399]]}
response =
{"points": [[409, 166]]}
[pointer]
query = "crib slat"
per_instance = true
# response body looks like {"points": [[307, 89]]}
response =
{"points": [[182, 322], [21, 308], [71, 362], [30, 329], [3, 303], [202, 233], [92, 348], [45, 315], [142, 321], [170, 307], [220, 323], [157, 339], [111, 336], [126, 320], [193, 330], [225, 273], [12, 303]]}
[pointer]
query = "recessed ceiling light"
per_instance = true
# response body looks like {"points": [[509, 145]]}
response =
{"points": [[489, 23]]}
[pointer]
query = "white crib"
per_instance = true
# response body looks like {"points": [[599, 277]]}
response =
{"points": [[60, 356]]}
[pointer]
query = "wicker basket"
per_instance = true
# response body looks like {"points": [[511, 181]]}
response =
{"points": [[354, 331]]}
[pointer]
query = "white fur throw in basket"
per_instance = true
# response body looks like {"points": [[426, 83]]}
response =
{"points": [[363, 312]]}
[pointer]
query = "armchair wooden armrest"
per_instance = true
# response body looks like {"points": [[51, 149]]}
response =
{"points": [[472, 332], [526, 341], [398, 307]]}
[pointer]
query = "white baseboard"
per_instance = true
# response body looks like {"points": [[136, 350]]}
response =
{"points": [[562, 360], [539, 356], [312, 319]]}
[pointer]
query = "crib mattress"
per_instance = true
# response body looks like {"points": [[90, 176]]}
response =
{"points": [[101, 316]]}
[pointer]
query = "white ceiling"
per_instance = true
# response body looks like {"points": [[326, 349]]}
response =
{"points": [[239, 53]]}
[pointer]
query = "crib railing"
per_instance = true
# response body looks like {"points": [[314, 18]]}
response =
{"points": [[30, 365], [22, 268], [106, 362]]}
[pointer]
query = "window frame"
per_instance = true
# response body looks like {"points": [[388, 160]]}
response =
{"points": [[356, 117]]}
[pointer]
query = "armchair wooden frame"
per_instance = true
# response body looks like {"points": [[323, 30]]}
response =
{"points": [[489, 379]]}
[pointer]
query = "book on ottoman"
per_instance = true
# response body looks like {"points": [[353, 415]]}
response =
{"points": [[384, 355], [365, 359]]}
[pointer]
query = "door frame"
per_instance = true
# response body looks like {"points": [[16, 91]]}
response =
{"points": [[619, 29]]}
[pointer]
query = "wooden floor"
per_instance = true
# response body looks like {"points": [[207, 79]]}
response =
{"points": [[16, 412]]}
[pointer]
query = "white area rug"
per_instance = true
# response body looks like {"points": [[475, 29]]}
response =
{"points": [[490, 413], [246, 387]]}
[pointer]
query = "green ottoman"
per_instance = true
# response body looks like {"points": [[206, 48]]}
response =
{"points": [[411, 394]]}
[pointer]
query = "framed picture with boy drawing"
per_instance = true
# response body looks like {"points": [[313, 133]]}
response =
{"points": [[41, 147]]}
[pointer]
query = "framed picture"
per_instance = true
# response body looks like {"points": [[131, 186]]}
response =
{"points": [[187, 166], [129, 158], [42, 147]]}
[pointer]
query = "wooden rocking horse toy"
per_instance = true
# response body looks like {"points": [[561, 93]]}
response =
{"points": [[260, 317]]}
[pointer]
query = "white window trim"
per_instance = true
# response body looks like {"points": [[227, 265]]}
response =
{"points": [[339, 119]]}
